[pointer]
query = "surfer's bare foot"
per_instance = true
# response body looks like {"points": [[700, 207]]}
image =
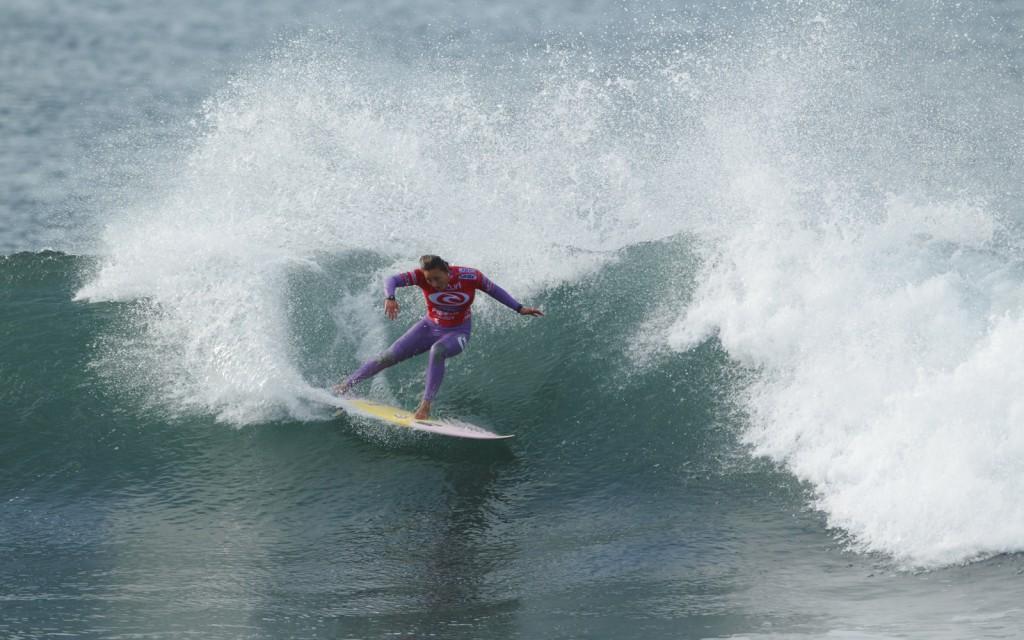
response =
{"points": [[340, 389], [423, 411]]}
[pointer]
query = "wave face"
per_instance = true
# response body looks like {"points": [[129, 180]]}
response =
{"points": [[832, 192]]}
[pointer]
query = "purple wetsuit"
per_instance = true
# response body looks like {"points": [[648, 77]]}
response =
{"points": [[444, 331]]}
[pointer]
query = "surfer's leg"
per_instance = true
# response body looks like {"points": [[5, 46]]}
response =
{"points": [[449, 346], [413, 342]]}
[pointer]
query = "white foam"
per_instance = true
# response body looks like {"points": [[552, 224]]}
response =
{"points": [[890, 380], [888, 342], [860, 269]]}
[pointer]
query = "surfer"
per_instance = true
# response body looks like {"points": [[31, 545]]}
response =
{"points": [[449, 291]]}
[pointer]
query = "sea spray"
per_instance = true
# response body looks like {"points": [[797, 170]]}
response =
{"points": [[864, 269], [313, 157]]}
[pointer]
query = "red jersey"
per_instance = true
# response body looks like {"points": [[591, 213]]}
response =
{"points": [[450, 307]]}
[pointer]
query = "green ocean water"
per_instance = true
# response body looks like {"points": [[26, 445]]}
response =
{"points": [[340, 526], [624, 507]]}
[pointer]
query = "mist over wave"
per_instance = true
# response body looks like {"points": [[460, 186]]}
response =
{"points": [[849, 184]]}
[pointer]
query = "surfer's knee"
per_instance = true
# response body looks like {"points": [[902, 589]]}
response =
{"points": [[449, 347], [386, 359], [439, 350]]}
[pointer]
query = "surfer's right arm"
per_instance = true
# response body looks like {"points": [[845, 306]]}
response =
{"points": [[405, 279]]}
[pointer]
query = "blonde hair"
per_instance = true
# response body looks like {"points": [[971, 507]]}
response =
{"points": [[430, 262]]}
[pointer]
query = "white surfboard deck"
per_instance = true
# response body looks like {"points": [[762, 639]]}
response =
{"points": [[403, 418]]}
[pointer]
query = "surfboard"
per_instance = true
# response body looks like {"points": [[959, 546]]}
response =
{"points": [[403, 418]]}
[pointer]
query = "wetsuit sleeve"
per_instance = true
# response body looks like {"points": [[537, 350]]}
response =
{"points": [[498, 293], [407, 279]]}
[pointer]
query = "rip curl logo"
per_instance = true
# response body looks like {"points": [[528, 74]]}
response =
{"points": [[449, 298]]}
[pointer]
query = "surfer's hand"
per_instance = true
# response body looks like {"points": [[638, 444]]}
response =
{"points": [[391, 309], [530, 311]]}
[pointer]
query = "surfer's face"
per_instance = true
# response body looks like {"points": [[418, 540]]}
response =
{"points": [[437, 278]]}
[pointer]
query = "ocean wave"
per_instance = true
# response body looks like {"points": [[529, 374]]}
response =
{"points": [[850, 202]]}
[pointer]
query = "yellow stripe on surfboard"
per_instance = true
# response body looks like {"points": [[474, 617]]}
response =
{"points": [[403, 418], [394, 415]]}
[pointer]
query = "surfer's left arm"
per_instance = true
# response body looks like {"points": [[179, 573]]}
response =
{"points": [[505, 298]]}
